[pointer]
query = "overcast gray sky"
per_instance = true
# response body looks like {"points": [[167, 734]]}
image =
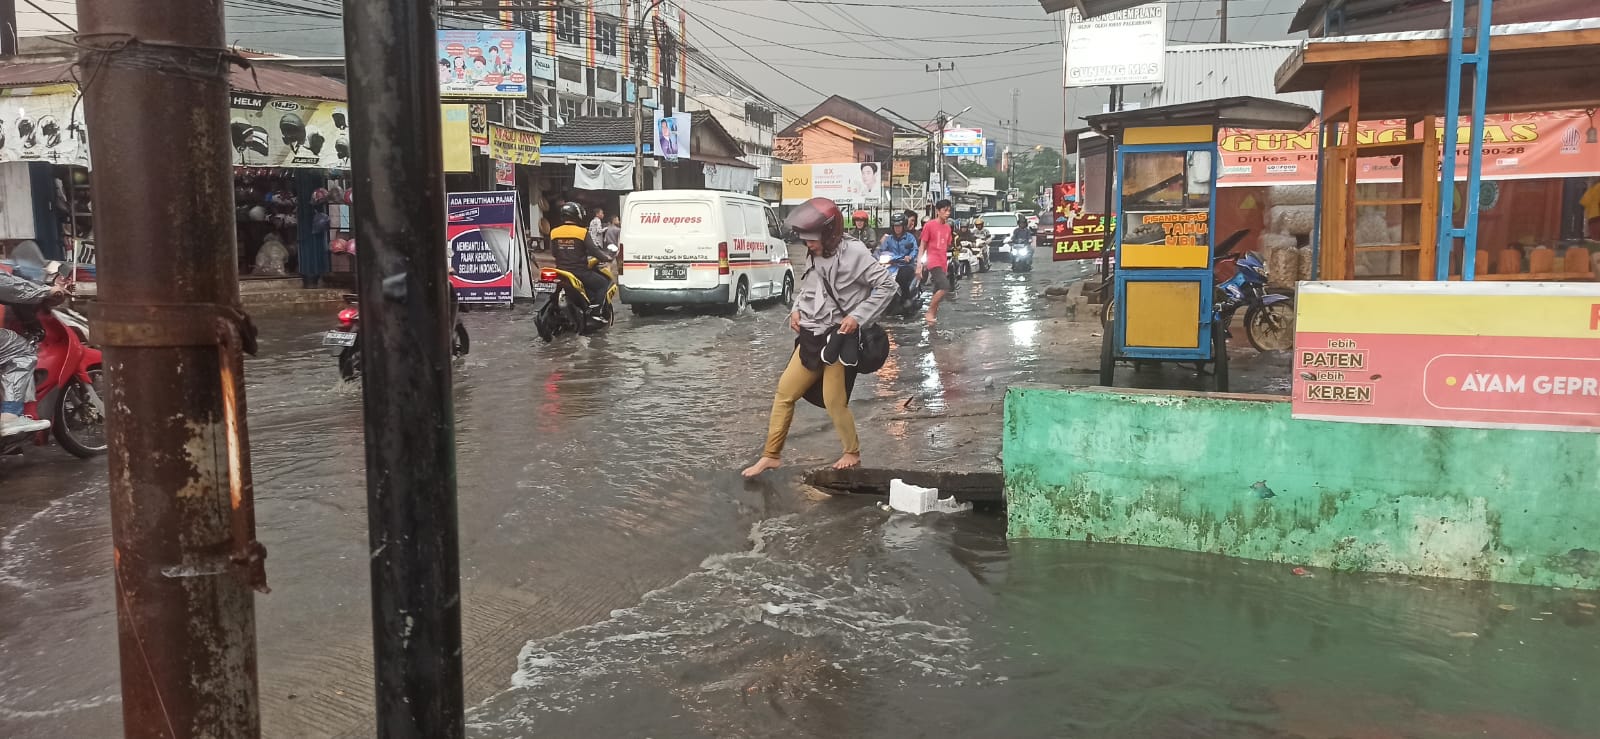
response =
{"points": [[873, 51]]}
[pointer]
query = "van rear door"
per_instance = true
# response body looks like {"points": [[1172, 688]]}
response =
{"points": [[670, 243]]}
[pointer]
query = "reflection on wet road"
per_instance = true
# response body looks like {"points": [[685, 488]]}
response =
{"points": [[621, 580]]}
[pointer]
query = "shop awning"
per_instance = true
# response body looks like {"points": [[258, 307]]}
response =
{"points": [[1234, 112], [1533, 67], [262, 77]]}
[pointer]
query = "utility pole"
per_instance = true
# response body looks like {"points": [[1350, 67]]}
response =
{"points": [[1224, 14], [938, 152], [184, 557], [636, 31], [407, 319], [1066, 114]]}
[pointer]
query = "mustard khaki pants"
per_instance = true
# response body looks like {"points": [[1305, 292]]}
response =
{"points": [[792, 386]]}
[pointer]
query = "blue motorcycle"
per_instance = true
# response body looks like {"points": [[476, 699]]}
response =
{"points": [[1268, 317], [906, 303]]}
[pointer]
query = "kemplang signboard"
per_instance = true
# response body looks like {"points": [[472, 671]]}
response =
{"points": [[481, 231], [482, 64], [1471, 354], [1128, 47], [1515, 146]]}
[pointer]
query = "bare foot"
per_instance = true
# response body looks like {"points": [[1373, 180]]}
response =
{"points": [[766, 463], [848, 462]]}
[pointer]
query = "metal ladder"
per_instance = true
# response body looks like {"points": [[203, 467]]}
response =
{"points": [[1454, 71]]}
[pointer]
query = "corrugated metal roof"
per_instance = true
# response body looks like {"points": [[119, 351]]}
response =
{"points": [[1200, 72], [262, 77]]}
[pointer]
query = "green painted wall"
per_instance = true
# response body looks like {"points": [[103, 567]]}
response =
{"points": [[1179, 470]]}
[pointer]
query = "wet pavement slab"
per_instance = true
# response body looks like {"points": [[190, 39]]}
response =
{"points": [[620, 579]]}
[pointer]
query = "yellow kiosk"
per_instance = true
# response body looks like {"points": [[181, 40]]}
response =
{"points": [[1163, 239]]}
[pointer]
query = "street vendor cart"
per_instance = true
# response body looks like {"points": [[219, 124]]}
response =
{"points": [[1163, 237]]}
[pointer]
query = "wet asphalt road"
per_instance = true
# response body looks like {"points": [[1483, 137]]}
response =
{"points": [[591, 472]]}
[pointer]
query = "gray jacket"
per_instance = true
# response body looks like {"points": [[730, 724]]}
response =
{"points": [[861, 283], [18, 291]]}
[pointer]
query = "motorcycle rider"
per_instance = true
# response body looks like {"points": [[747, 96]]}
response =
{"points": [[571, 246], [901, 247], [860, 230], [18, 356], [1023, 233]]}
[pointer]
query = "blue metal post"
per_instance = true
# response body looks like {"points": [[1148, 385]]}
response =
{"points": [[1479, 60]]}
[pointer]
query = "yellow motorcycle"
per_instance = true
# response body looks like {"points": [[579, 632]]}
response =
{"points": [[565, 305]]}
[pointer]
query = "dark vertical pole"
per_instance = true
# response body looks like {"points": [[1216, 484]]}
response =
{"points": [[8, 19], [406, 321], [1224, 13], [169, 295]]}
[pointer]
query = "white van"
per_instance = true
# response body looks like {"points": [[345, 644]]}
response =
{"points": [[702, 247]]}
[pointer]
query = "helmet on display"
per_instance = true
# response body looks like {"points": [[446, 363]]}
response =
{"points": [[571, 213], [315, 140], [898, 219], [293, 130], [860, 215], [817, 219]]}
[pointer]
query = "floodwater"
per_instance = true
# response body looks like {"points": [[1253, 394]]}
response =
{"points": [[619, 579]]}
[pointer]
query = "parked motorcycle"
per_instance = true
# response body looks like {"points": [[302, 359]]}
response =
{"points": [[906, 303], [1241, 282], [346, 339], [1022, 256], [69, 379], [564, 306]]}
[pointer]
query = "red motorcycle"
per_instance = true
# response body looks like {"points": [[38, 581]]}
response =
{"points": [[345, 341], [68, 380]]}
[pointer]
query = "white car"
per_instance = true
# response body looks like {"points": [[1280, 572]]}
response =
{"points": [[1000, 224], [702, 247]]}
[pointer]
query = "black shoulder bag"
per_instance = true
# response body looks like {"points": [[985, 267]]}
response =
{"points": [[874, 341]]}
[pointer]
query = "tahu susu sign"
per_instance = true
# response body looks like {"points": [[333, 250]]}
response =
{"points": [[512, 145], [1473, 354], [482, 234], [1515, 146]]}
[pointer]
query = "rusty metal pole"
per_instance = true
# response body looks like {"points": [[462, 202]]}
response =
{"points": [[406, 324], [155, 88]]}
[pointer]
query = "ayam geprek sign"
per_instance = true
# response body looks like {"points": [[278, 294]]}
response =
{"points": [[1468, 354]]}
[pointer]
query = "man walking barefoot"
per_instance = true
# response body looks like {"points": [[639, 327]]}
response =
{"points": [[937, 236]]}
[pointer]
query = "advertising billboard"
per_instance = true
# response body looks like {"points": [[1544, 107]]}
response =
{"points": [[483, 64], [1470, 354], [673, 135], [271, 131], [851, 183], [1128, 47], [482, 234], [1515, 146], [963, 142], [44, 127]]}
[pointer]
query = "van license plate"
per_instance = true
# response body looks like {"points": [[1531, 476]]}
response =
{"points": [[672, 271]]}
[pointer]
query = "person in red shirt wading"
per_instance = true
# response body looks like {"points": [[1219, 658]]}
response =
{"points": [[937, 236]]}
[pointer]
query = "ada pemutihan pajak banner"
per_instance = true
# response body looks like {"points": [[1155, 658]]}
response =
{"points": [[1471, 354], [1515, 146]]}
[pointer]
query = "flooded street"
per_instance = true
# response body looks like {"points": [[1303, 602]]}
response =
{"points": [[620, 579]]}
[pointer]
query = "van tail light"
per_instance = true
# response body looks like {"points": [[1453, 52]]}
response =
{"points": [[722, 259], [547, 274]]}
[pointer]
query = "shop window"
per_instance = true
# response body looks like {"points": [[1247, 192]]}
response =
{"points": [[606, 79], [569, 70], [531, 20], [569, 25], [609, 111], [605, 38], [569, 109]]}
